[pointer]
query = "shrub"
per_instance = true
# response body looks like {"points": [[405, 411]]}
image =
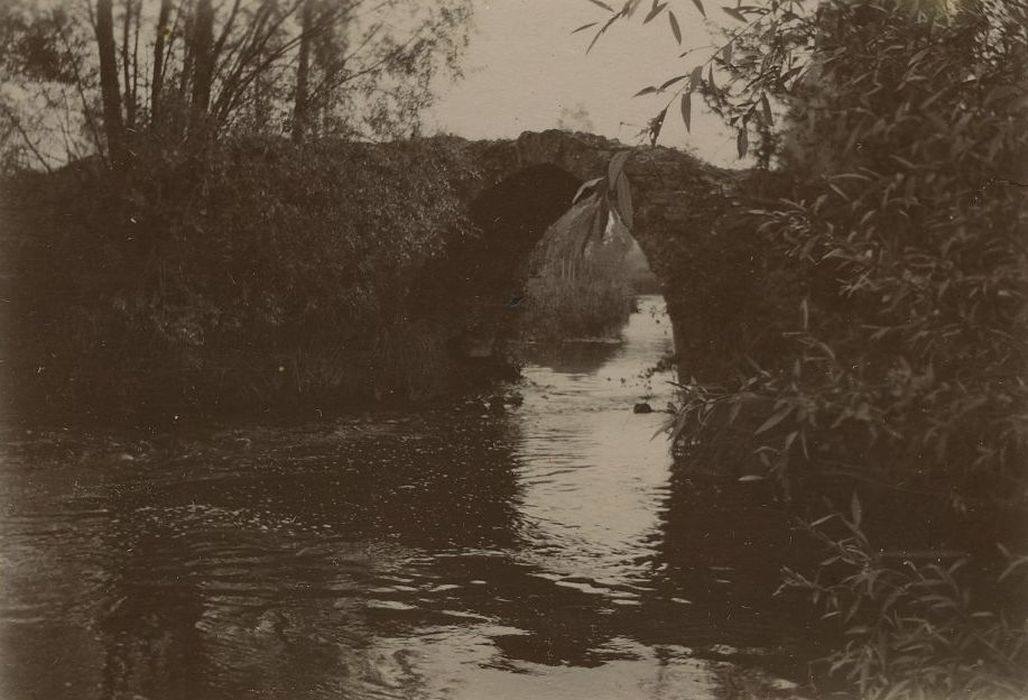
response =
{"points": [[904, 354], [917, 628], [262, 272]]}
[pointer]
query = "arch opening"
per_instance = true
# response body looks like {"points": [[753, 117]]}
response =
{"points": [[582, 286], [549, 285], [519, 285]]}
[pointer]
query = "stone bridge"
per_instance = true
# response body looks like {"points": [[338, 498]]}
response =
{"points": [[517, 188]]}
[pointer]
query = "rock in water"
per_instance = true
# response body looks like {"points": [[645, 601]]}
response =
{"points": [[642, 408]]}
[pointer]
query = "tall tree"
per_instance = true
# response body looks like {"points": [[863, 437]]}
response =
{"points": [[301, 114], [114, 128], [157, 82], [126, 66], [346, 68], [203, 66]]}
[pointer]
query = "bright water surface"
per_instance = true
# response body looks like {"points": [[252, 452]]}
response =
{"points": [[540, 550]]}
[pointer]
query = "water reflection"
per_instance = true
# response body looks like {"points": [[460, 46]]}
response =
{"points": [[540, 551]]}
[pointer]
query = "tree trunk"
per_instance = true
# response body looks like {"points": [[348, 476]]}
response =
{"points": [[203, 68], [126, 66], [157, 85], [110, 92], [135, 62], [301, 108]]}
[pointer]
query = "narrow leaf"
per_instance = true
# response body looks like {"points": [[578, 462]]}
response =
{"points": [[604, 5], [766, 105], [855, 509], [584, 27], [790, 74], [617, 164], [732, 12], [773, 420], [624, 202], [743, 142], [726, 53], [654, 11], [656, 124], [695, 78], [687, 110], [645, 91], [822, 521], [699, 6], [585, 189], [601, 31], [734, 412], [672, 81], [675, 29]]}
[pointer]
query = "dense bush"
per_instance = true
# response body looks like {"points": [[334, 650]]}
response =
{"points": [[900, 363], [905, 354], [260, 272]]}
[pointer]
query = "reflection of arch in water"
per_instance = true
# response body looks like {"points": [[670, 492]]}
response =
{"points": [[722, 545]]}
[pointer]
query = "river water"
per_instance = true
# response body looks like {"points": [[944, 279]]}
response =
{"points": [[529, 546]]}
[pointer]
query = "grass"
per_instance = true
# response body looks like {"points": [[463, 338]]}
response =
{"points": [[580, 294]]}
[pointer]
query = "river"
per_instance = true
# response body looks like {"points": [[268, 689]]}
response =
{"points": [[534, 545]]}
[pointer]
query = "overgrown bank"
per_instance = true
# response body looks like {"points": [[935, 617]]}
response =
{"points": [[263, 274], [896, 382]]}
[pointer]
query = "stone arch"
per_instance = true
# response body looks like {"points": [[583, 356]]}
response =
{"points": [[473, 289], [680, 204]]}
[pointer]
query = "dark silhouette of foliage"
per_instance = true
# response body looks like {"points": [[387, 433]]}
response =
{"points": [[195, 289], [894, 133]]}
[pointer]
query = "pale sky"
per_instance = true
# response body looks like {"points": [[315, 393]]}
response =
{"points": [[523, 68]]}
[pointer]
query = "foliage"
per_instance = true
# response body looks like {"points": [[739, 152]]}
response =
{"points": [[39, 65], [265, 272], [894, 131], [919, 338], [905, 219], [915, 628], [602, 202], [183, 73], [573, 296]]}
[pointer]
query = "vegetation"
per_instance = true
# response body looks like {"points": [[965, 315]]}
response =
{"points": [[888, 212], [179, 253], [118, 78], [893, 135], [577, 296], [193, 289], [917, 627]]}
